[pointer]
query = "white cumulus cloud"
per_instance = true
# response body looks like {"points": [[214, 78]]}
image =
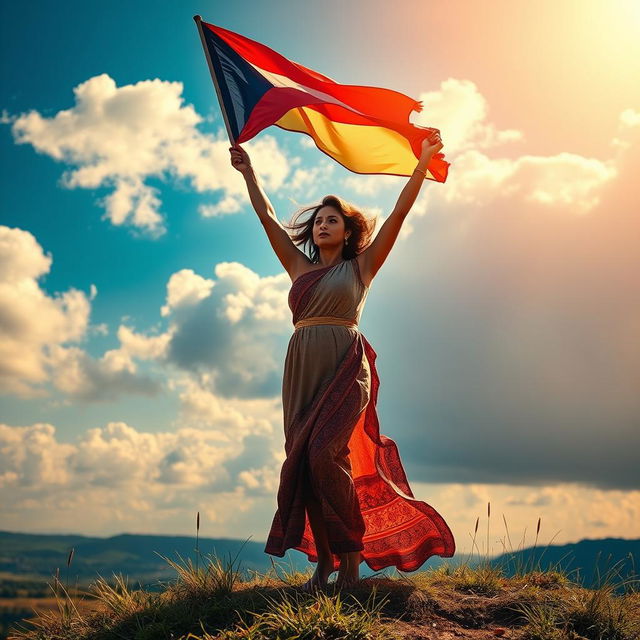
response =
{"points": [[31, 321], [118, 137], [38, 332]]}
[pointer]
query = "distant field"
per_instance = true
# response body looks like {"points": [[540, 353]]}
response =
{"points": [[16, 609]]}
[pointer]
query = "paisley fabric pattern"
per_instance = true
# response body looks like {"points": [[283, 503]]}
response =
{"points": [[333, 445]]}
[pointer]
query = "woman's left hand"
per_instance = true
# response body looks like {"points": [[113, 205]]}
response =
{"points": [[431, 144]]}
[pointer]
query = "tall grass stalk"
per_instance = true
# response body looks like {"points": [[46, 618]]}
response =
{"points": [[488, 521], [473, 542], [197, 535]]}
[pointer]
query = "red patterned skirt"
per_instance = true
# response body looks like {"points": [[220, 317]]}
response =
{"points": [[335, 450]]}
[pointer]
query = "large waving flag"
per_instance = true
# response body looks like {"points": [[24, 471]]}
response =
{"points": [[365, 129]]}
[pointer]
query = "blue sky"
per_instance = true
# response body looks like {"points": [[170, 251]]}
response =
{"points": [[142, 365]]}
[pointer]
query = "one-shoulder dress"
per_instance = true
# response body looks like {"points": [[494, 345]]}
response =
{"points": [[333, 444]]}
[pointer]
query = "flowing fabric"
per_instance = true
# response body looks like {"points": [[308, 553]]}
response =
{"points": [[366, 129], [333, 445]]}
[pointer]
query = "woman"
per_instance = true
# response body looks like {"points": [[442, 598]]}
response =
{"points": [[343, 493]]}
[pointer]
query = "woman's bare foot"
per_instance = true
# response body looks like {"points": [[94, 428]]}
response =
{"points": [[320, 576], [349, 572]]}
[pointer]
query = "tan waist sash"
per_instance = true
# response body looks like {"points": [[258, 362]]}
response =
{"points": [[314, 320]]}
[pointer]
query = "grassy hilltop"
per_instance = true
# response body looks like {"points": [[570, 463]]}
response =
{"points": [[211, 600], [512, 596]]}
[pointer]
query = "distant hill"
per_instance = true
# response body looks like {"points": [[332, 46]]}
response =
{"points": [[138, 556], [35, 557], [587, 561]]}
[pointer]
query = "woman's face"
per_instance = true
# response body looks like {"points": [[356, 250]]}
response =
{"points": [[328, 227]]}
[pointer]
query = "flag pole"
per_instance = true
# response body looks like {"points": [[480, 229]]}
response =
{"points": [[198, 20]]}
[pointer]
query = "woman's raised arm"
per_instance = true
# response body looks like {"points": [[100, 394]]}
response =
{"points": [[289, 255], [373, 257]]}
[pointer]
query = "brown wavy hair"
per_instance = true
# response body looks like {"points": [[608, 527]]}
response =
{"points": [[361, 228]]}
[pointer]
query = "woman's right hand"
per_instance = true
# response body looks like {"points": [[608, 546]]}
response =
{"points": [[239, 158]]}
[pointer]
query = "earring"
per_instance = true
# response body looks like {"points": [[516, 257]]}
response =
{"points": [[346, 240]]}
